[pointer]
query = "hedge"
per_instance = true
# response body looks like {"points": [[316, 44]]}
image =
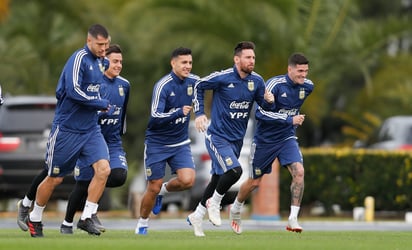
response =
{"points": [[346, 176]]}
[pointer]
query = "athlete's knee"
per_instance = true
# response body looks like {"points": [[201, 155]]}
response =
{"points": [[101, 168], [54, 181], [236, 172], [186, 178], [117, 177], [154, 186]]}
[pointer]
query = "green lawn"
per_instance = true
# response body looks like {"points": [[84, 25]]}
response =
{"points": [[166, 240]]}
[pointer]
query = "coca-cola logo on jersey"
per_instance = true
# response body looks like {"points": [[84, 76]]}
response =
{"points": [[239, 105]]}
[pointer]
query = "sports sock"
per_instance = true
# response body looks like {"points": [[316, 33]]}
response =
{"points": [[37, 214], [143, 222], [237, 206], [95, 209], [163, 190], [69, 224], [217, 198], [294, 210], [200, 211], [27, 202], [88, 210]]}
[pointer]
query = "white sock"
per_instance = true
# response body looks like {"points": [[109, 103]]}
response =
{"points": [[88, 210], [27, 202], [163, 190], [217, 198], [143, 222], [294, 210], [237, 206], [69, 224], [95, 209], [200, 211], [37, 214]]}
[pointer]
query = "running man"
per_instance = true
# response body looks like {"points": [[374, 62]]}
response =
{"points": [[167, 136], [234, 92], [75, 133], [275, 139]]}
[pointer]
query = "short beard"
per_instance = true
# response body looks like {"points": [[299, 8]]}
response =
{"points": [[246, 70]]}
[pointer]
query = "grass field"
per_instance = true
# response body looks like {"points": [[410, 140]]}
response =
{"points": [[250, 240]]}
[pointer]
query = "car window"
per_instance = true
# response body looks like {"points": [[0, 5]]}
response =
{"points": [[26, 117]]}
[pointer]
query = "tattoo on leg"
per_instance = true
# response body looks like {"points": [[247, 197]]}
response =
{"points": [[297, 185]]}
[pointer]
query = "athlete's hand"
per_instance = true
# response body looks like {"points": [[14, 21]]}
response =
{"points": [[269, 97], [201, 123], [186, 110], [298, 119]]}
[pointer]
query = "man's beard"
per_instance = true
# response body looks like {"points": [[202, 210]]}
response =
{"points": [[246, 70]]}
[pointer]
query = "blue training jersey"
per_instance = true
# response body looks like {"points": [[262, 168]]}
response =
{"points": [[167, 124], [77, 92], [113, 123], [233, 98], [277, 126]]}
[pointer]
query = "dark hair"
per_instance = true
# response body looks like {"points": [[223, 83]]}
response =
{"points": [[114, 48], [98, 30], [180, 52], [244, 45], [297, 59]]}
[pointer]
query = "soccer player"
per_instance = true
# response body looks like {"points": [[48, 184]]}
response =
{"points": [[75, 133], [167, 135], [113, 125], [234, 92], [275, 139]]}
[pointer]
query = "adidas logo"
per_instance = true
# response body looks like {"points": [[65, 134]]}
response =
{"points": [[284, 94], [172, 94], [231, 85]]}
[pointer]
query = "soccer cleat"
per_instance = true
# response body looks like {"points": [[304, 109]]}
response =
{"points": [[141, 230], [97, 223], [293, 226], [213, 210], [196, 223], [88, 226], [35, 228], [22, 215], [235, 222], [158, 205], [66, 229]]}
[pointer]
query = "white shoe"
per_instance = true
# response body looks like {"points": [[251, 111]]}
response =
{"points": [[235, 222], [196, 223], [213, 210], [294, 226]]}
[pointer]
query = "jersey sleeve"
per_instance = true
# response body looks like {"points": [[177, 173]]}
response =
{"points": [[74, 73]]}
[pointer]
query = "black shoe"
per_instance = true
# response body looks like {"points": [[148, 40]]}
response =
{"points": [[88, 226], [97, 223], [36, 228], [66, 229], [22, 215]]}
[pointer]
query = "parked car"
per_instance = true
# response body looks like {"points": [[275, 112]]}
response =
{"points": [[25, 123], [187, 200], [394, 133]]}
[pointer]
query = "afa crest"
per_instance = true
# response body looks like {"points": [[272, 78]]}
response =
{"points": [[121, 90], [250, 85], [189, 90], [302, 93], [56, 170], [76, 171], [148, 172], [229, 161]]}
